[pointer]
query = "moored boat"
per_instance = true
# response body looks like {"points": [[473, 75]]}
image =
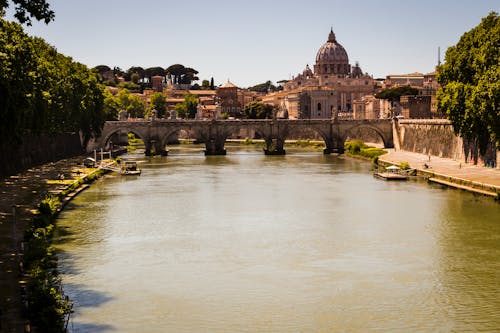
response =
{"points": [[129, 168], [392, 173]]}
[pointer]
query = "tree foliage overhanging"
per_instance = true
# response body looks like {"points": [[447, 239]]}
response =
{"points": [[470, 83], [43, 91], [27, 9]]}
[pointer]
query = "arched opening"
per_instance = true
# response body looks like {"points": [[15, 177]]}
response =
{"points": [[305, 139], [367, 134], [125, 141], [182, 141]]}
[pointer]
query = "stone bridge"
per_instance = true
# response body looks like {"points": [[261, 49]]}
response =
{"points": [[158, 132]]}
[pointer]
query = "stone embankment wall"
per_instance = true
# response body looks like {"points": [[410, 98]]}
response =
{"points": [[436, 137], [36, 150]]}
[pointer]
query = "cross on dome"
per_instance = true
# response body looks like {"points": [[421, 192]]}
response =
{"points": [[331, 36]]}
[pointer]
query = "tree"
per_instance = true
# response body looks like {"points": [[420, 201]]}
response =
{"points": [[188, 108], [133, 104], [111, 106], [212, 86], [43, 91], [470, 84], [159, 103], [394, 94], [205, 85], [263, 87], [153, 71], [27, 9], [258, 110], [181, 74], [134, 74]]}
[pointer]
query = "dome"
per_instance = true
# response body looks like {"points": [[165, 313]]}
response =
{"points": [[332, 58]]}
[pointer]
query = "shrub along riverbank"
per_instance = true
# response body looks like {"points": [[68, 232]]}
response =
{"points": [[359, 148], [47, 307]]}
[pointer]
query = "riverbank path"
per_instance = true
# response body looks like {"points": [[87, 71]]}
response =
{"points": [[24, 191], [444, 166]]}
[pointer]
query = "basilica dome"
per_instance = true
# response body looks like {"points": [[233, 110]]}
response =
{"points": [[332, 58]]}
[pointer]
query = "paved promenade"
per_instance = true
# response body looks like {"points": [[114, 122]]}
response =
{"points": [[25, 191], [447, 168]]}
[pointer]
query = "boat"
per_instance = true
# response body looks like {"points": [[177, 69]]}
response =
{"points": [[129, 168], [392, 173]]}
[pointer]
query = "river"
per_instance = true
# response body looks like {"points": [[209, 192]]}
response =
{"points": [[295, 243]]}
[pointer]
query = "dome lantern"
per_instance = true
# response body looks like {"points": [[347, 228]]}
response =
{"points": [[332, 58]]}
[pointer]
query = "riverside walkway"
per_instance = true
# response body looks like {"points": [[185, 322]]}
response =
{"points": [[24, 191], [449, 172]]}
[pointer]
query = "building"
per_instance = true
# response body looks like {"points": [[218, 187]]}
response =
{"points": [[157, 83], [416, 106], [228, 100], [328, 92], [413, 79]]}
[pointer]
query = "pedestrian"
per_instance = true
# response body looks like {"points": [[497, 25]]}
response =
{"points": [[429, 157], [27, 326]]}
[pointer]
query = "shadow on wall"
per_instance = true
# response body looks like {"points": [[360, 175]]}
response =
{"points": [[436, 137], [36, 150]]}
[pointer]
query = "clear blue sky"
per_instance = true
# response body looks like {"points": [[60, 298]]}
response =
{"points": [[250, 42]]}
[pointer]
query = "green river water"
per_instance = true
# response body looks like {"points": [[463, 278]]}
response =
{"points": [[295, 243]]}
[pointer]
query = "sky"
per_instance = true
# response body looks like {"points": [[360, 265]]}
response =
{"points": [[250, 42]]}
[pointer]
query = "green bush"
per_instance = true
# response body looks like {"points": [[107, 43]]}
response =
{"points": [[404, 165], [359, 148]]}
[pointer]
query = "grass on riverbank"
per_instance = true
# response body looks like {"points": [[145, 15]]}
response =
{"points": [[359, 148]]}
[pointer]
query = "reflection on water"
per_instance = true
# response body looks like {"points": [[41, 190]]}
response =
{"points": [[296, 243]]}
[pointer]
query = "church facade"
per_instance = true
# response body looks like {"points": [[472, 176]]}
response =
{"points": [[328, 92]]}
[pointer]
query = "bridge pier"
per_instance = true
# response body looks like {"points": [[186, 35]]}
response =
{"points": [[154, 147], [334, 145], [214, 147], [274, 146], [339, 150]]}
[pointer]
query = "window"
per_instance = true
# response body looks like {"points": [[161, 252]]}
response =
{"points": [[319, 107]]}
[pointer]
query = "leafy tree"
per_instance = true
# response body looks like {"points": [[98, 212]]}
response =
{"points": [[188, 108], [470, 83], [101, 70], [133, 104], [25, 10], [131, 86], [134, 72], [181, 74], [205, 85], [118, 72], [111, 106], [159, 103], [263, 87], [153, 71], [394, 94], [258, 110], [190, 76], [44, 91], [135, 78]]}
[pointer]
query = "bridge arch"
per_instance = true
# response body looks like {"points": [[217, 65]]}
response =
{"points": [[138, 133], [351, 131]]}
